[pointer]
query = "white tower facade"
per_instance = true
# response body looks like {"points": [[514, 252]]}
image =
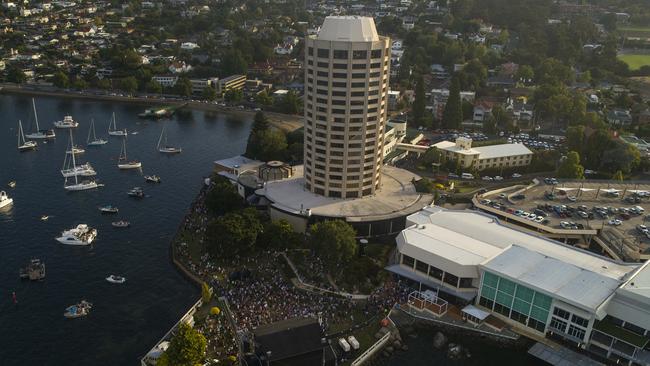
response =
{"points": [[347, 66]]}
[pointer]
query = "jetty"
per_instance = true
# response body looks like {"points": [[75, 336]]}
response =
{"points": [[161, 112]]}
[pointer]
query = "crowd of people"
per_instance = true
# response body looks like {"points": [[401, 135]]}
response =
{"points": [[259, 289]]}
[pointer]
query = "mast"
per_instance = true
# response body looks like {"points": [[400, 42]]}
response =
{"points": [[161, 136], [74, 165], [92, 128], [35, 115], [20, 132]]}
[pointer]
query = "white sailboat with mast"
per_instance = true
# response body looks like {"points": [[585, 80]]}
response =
{"points": [[123, 162], [77, 186], [94, 141], [24, 145], [163, 147], [39, 134], [112, 128]]}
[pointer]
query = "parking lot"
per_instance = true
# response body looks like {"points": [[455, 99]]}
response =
{"points": [[584, 205]]}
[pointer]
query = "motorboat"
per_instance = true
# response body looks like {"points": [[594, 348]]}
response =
{"points": [[108, 209], [80, 235], [24, 145], [45, 217], [115, 279], [5, 200], [112, 128], [163, 147], [78, 185], [121, 224], [67, 122], [12, 184], [136, 192], [83, 170], [78, 310], [152, 178], [94, 141], [76, 150], [123, 162], [39, 134], [34, 271]]}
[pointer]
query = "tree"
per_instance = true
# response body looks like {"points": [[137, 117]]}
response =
{"points": [[575, 136], [452, 116], [278, 235], [235, 233], [500, 117], [234, 96], [183, 87], [186, 348], [618, 176], [620, 156], [473, 75], [264, 98], [570, 168], [333, 241], [154, 87], [419, 102], [291, 103], [223, 197], [271, 145], [260, 125], [80, 84], [525, 74], [61, 80], [104, 84], [233, 62], [209, 93], [15, 75], [206, 294], [129, 84]]}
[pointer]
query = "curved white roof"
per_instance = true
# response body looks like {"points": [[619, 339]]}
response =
{"points": [[348, 29]]}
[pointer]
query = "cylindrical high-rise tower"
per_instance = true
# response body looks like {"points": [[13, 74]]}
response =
{"points": [[346, 87]]}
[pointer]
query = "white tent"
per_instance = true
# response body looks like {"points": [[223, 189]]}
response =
{"points": [[566, 189], [610, 190]]}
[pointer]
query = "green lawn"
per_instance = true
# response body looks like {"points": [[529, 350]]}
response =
{"points": [[635, 61], [634, 29]]}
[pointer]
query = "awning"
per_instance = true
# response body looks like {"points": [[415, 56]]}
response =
{"points": [[587, 189], [475, 312], [399, 270], [566, 189], [610, 190]]}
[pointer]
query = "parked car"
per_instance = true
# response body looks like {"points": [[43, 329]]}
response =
{"points": [[615, 222], [498, 178], [583, 214], [486, 178], [642, 229], [466, 176], [516, 175], [502, 195], [452, 176]]}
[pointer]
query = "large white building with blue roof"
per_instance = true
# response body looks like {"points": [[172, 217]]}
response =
{"points": [[535, 284]]}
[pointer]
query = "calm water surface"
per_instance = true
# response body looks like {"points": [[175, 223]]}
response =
{"points": [[126, 319]]}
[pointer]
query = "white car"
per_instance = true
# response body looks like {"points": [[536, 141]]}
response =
{"points": [[565, 225], [498, 178], [571, 198], [532, 217], [516, 175], [502, 195], [539, 219], [615, 222], [583, 214], [486, 178]]}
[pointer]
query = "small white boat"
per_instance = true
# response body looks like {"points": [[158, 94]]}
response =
{"points": [[34, 271], [83, 170], [77, 186], [152, 178], [12, 184], [67, 122], [39, 134], [136, 192], [24, 145], [112, 128], [45, 217], [124, 163], [115, 279], [94, 141], [80, 235], [121, 224], [109, 209], [76, 150], [81, 186], [78, 310], [5, 200], [163, 147]]}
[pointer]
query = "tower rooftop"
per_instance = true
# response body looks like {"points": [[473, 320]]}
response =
{"points": [[348, 29]]}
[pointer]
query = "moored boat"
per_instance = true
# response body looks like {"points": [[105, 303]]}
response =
{"points": [[66, 122], [112, 128], [76, 150], [5, 200], [121, 224], [78, 310], [12, 184], [24, 145], [136, 192], [94, 141], [115, 279], [108, 209], [163, 147], [83, 170], [123, 162], [39, 134], [80, 235], [34, 271], [152, 178]]}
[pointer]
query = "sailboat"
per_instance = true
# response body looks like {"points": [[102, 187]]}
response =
{"points": [[94, 141], [164, 148], [39, 134], [123, 162], [112, 128], [24, 145], [77, 186]]}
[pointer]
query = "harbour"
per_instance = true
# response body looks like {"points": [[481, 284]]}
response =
{"points": [[127, 318]]}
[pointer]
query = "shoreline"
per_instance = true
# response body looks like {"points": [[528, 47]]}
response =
{"points": [[285, 122]]}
